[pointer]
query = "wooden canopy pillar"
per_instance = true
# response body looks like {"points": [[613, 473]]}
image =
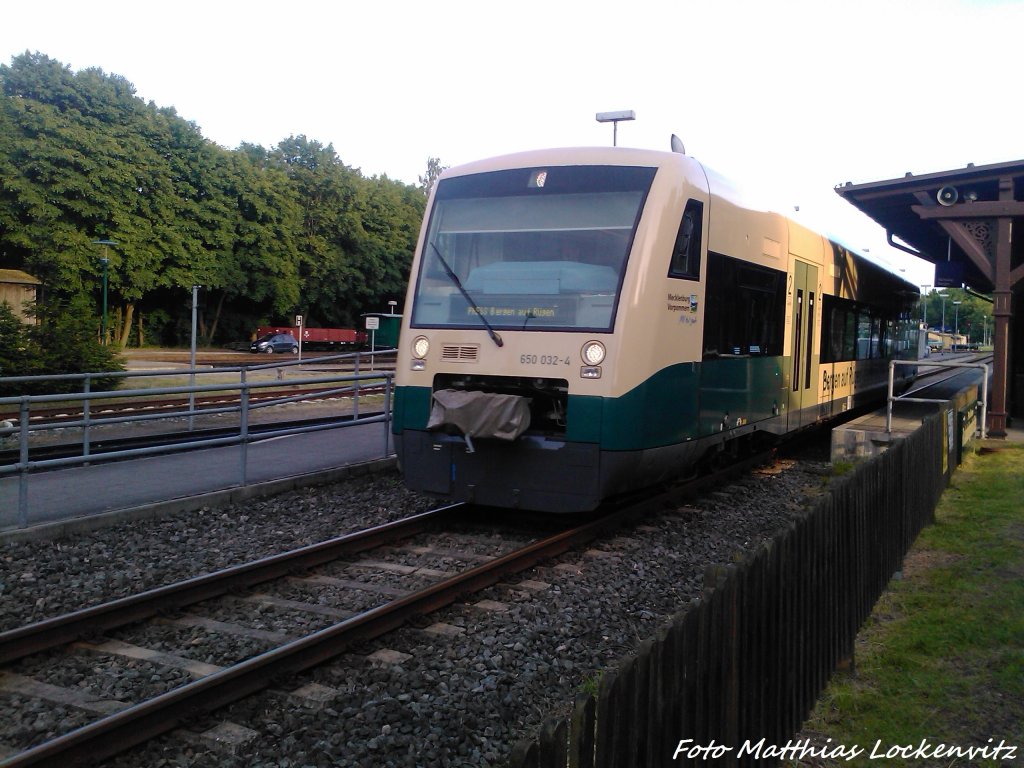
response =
{"points": [[1002, 311]]}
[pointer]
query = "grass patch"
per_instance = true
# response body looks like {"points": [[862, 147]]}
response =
{"points": [[592, 684], [941, 658], [840, 468]]}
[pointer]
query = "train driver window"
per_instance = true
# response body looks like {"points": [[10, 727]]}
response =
{"points": [[686, 253]]}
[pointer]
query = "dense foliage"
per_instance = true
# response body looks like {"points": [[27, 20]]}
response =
{"points": [[62, 341], [268, 233]]}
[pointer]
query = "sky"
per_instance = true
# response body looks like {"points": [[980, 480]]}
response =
{"points": [[785, 97]]}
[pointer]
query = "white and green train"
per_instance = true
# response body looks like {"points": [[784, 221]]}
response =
{"points": [[583, 322]]}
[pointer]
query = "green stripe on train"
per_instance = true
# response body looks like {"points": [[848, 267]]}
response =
{"points": [[411, 409], [679, 403]]}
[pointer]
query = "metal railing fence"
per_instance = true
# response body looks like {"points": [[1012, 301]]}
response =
{"points": [[356, 358], [355, 385], [892, 397]]}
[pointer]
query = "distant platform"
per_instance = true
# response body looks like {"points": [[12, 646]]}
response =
{"points": [[957, 396]]}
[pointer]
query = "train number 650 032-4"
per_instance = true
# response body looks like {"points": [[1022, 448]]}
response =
{"points": [[543, 360]]}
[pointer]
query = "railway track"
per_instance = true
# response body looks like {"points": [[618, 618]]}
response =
{"points": [[110, 434], [98, 447], [171, 406], [335, 594]]}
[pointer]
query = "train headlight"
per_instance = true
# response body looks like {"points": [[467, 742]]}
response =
{"points": [[420, 347], [593, 353]]}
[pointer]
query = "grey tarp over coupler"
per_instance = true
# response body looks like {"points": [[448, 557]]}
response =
{"points": [[480, 414]]}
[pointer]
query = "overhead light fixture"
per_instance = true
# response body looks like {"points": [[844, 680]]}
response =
{"points": [[615, 118]]}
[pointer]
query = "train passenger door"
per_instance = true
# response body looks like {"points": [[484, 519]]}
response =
{"points": [[803, 399]]}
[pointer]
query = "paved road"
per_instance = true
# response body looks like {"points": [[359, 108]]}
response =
{"points": [[83, 491]]}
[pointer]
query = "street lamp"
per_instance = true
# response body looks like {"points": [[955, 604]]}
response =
{"points": [[924, 305], [615, 118], [956, 320], [192, 360], [105, 262]]}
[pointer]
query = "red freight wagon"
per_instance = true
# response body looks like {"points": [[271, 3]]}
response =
{"points": [[323, 337]]}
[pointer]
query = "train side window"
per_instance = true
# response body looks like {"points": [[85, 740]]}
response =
{"points": [[870, 333], [836, 319], [686, 253], [847, 333], [850, 337], [863, 335], [744, 310]]}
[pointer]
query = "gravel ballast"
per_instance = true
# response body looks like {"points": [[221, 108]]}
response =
{"points": [[458, 699]]}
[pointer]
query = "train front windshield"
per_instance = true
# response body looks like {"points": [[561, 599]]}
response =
{"points": [[529, 249]]}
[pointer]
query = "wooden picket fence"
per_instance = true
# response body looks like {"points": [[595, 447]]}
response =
{"points": [[749, 659]]}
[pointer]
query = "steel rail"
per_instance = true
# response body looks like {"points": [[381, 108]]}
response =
{"points": [[63, 416], [165, 407], [136, 724], [50, 633], [100, 449]]}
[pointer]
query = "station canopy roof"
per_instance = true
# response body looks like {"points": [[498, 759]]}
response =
{"points": [[949, 217]]}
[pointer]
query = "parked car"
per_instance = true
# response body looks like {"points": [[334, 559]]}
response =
{"points": [[275, 342]]}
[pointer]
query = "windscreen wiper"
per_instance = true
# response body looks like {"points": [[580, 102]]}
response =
{"points": [[458, 284]]}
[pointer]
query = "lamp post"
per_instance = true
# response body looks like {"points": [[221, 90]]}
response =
{"points": [[192, 361], [105, 262], [956, 321], [924, 305], [615, 118]]}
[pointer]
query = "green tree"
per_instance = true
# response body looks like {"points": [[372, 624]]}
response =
{"points": [[52, 195], [62, 341], [65, 333], [19, 356], [429, 178], [85, 170], [392, 220], [267, 233], [331, 235], [263, 265]]}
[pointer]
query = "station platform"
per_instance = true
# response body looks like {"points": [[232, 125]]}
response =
{"points": [[82, 498], [957, 392]]}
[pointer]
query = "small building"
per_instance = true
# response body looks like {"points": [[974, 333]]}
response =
{"points": [[383, 328], [18, 288], [945, 341]]}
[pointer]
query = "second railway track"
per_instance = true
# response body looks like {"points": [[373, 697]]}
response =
{"points": [[171, 406], [108, 433], [174, 438]]}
